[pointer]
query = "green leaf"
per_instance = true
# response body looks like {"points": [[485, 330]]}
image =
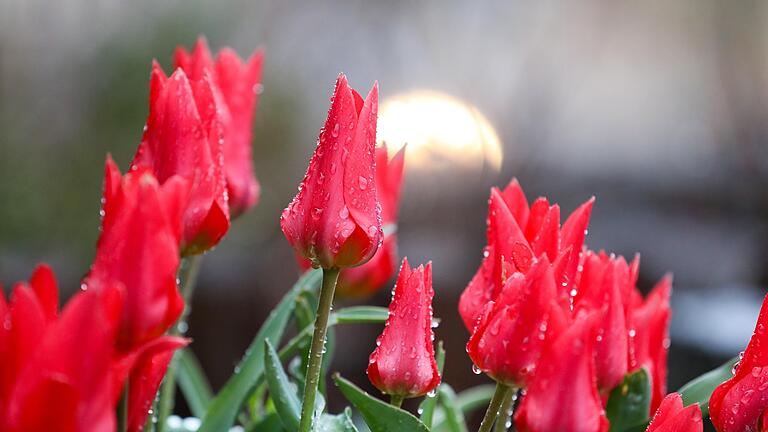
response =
{"points": [[700, 389], [427, 407], [361, 315], [629, 403], [270, 423], [454, 418], [468, 401], [282, 391], [380, 416], [226, 405], [193, 383], [336, 423]]}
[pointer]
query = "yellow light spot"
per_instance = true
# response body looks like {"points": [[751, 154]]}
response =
{"points": [[442, 132]]}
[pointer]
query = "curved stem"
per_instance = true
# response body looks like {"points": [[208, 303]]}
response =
{"points": [[493, 407], [396, 400], [330, 276], [505, 411], [188, 271]]}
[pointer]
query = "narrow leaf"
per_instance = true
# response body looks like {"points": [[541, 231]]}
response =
{"points": [[193, 383], [226, 405], [336, 423], [282, 392], [380, 416], [629, 403], [700, 389], [362, 315], [454, 418]]}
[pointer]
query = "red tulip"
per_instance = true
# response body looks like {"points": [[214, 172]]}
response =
{"points": [[510, 335], [672, 417], [183, 137], [334, 220], [604, 285], [649, 338], [56, 372], [517, 234], [740, 404], [238, 82], [139, 249], [563, 394], [365, 279], [403, 362]]}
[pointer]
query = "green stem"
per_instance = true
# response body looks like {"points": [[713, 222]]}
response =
{"points": [[493, 408], [330, 276], [505, 411], [122, 410], [396, 400], [188, 271]]}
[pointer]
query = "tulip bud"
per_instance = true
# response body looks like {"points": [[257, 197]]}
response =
{"points": [[365, 279], [334, 221], [739, 404], [508, 339], [237, 82], [672, 417], [184, 137], [403, 363], [563, 394]]}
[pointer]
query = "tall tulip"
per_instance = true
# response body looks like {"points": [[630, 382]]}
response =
{"points": [[335, 219], [238, 82], [403, 363]]}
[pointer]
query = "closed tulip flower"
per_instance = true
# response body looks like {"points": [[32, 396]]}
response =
{"points": [[563, 394], [237, 81], [403, 363], [511, 333], [673, 417], [740, 404], [334, 221], [184, 137], [366, 279]]}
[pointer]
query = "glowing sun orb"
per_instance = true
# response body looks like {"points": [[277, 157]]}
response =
{"points": [[441, 131]]}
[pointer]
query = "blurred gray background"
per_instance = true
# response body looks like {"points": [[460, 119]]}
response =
{"points": [[660, 109]]}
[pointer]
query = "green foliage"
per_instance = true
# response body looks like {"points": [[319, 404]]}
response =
{"points": [[629, 403], [378, 415], [700, 389]]}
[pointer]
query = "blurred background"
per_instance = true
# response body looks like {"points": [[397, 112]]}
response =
{"points": [[659, 109]]}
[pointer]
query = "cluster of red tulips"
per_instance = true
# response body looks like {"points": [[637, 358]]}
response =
{"points": [[565, 334]]}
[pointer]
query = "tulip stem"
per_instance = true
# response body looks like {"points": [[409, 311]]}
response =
{"points": [[493, 407], [396, 400], [188, 271], [122, 410], [505, 411], [317, 349]]}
